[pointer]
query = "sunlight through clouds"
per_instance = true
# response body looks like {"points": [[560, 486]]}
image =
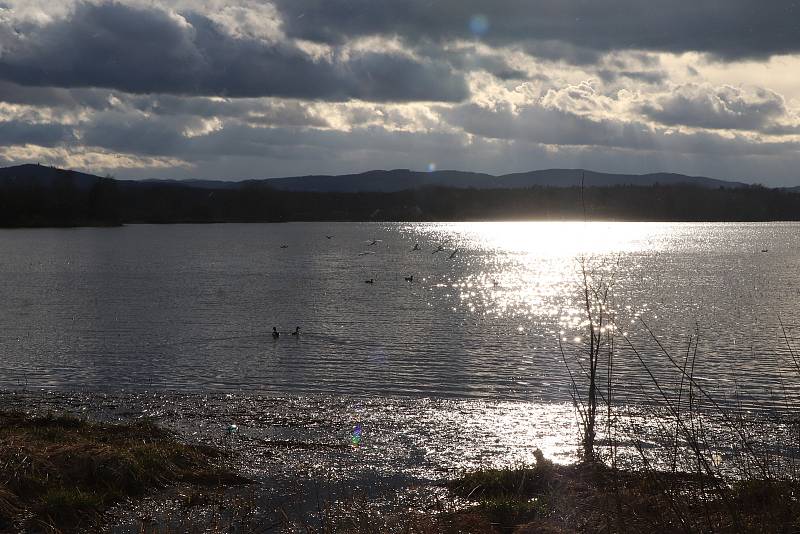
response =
{"points": [[519, 86]]}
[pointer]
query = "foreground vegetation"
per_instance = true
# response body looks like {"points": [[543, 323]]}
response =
{"points": [[591, 497], [60, 473]]}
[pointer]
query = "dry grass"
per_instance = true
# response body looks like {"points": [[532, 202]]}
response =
{"points": [[594, 498], [59, 473]]}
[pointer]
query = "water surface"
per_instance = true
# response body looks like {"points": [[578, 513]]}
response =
{"points": [[190, 307]]}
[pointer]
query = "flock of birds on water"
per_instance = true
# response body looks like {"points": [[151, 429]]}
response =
{"points": [[416, 247], [410, 278], [276, 334]]}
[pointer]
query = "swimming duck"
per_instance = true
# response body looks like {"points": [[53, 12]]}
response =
{"points": [[275, 333]]}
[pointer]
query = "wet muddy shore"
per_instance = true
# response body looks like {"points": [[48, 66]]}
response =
{"points": [[308, 459], [303, 452]]}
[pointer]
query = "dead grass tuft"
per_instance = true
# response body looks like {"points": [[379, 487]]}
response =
{"points": [[61, 472]]}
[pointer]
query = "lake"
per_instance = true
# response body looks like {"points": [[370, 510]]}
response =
{"points": [[189, 310]]}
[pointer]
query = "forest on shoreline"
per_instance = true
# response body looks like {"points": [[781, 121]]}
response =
{"points": [[109, 202]]}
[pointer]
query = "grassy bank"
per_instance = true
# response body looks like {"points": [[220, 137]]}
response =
{"points": [[60, 472], [592, 497]]}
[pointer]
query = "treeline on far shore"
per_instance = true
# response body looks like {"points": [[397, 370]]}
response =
{"points": [[108, 202]]}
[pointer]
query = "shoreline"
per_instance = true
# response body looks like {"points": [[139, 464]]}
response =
{"points": [[402, 221], [534, 496]]}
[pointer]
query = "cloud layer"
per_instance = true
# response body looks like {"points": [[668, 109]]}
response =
{"points": [[141, 50], [149, 88], [727, 28]]}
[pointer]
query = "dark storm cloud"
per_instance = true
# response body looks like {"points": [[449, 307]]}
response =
{"points": [[562, 128], [725, 28], [546, 126], [256, 111], [263, 111], [534, 125], [717, 108], [494, 65], [165, 137], [140, 50], [499, 68], [13, 93], [645, 76], [26, 133], [469, 58], [136, 134]]}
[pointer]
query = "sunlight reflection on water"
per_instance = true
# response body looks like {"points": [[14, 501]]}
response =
{"points": [[678, 279]]}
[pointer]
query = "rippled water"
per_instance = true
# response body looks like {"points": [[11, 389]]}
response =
{"points": [[190, 308], [457, 369]]}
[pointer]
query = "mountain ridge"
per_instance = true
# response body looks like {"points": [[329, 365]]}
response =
{"points": [[385, 181], [36, 196]]}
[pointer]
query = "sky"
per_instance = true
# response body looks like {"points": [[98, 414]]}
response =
{"points": [[264, 88]]}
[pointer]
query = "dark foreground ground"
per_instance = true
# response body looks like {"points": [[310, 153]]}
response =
{"points": [[69, 469], [61, 473]]}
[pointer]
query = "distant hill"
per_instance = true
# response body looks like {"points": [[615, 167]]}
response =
{"points": [[196, 184], [44, 176], [573, 177], [36, 196], [382, 181], [403, 179]]}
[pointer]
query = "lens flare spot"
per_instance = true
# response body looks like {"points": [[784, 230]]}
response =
{"points": [[478, 24], [355, 439]]}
